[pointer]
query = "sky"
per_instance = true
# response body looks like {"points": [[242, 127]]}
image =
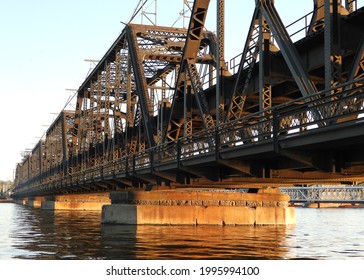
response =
{"points": [[44, 44]]}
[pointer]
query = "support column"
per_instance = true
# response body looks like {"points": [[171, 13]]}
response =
{"points": [[333, 55], [178, 207], [220, 58], [89, 202]]}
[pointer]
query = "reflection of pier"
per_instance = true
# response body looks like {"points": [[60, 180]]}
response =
{"points": [[326, 194]]}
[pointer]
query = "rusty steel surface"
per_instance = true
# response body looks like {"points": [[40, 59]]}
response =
{"points": [[162, 108]]}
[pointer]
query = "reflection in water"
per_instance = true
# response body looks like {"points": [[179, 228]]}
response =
{"points": [[38, 234], [56, 235]]}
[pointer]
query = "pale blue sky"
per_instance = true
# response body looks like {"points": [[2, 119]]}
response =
{"points": [[44, 43]]}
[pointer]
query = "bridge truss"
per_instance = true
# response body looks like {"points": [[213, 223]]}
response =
{"points": [[327, 194], [149, 113]]}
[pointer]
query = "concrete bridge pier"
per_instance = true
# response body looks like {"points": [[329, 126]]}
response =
{"points": [[89, 202], [35, 202], [204, 207]]}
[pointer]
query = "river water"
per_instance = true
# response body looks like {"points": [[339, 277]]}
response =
{"points": [[324, 234]]}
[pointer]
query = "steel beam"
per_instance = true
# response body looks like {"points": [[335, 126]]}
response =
{"points": [[287, 48], [357, 69], [188, 81], [247, 63], [144, 99]]}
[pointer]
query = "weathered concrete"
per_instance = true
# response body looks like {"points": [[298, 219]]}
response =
{"points": [[267, 207], [91, 202], [177, 215], [35, 202], [275, 216]]}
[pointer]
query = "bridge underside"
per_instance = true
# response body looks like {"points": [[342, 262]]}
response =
{"points": [[149, 115]]}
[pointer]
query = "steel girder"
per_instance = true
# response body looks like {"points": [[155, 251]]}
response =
{"points": [[333, 53], [357, 69], [266, 23], [116, 105], [266, 18], [120, 105], [48, 159], [188, 83], [287, 49], [327, 17], [245, 72]]}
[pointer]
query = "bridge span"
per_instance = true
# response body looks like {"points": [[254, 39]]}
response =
{"points": [[326, 194], [163, 114]]}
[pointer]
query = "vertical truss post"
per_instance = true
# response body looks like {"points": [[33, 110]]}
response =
{"points": [[72, 162], [64, 142], [117, 112], [220, 57], [129, 107], [40, 152], [187, 113], [265, 87], [333, 55]]}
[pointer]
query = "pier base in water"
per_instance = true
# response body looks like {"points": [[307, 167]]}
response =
{"points": [[89, 202], [181, 207]]}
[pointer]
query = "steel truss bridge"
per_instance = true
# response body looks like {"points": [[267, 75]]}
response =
{"points": [[327, 194], [164, 108]]}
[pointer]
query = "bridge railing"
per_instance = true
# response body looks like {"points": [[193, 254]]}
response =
{"points": [[323, 109], [252, 129], [165, 153], [198, 145]]}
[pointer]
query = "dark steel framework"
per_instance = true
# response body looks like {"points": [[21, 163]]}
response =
{"points": [[162, 108]]}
